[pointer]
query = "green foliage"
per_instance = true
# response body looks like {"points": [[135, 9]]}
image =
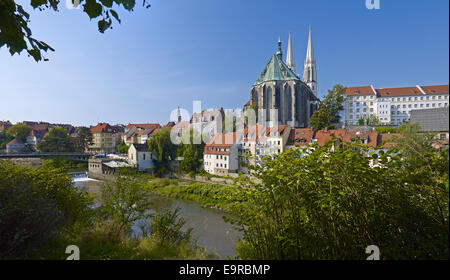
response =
{"points": [[361, 121], [84, 139], [125, 201], [5, 138], [327, 116], [333, 204], [57, 140], [123, 148], [17, 36], [387, 129], [20, 131], [208, 195], [36, 205], [162, 147], [192, 153], [167, 227]]}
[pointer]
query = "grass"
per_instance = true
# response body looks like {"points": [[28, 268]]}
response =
{"points": [[208, 195]]}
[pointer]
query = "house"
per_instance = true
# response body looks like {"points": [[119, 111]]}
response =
{"points": [[208, 122], [433, 120], [139, 133], [221, 154], [103, 139], [15, 146], [139, 156]]}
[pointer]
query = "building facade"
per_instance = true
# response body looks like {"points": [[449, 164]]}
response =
{"points": [[140, 157], [279, 94], [390, 106], [103, 139]]}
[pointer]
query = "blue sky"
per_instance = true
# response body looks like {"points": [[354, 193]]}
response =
{"points": [[179, 51]]}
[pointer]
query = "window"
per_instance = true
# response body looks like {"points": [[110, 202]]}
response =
{"points": [[143, 156], [442, 136]]}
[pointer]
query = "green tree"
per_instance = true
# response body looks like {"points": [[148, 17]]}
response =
{"points": [[162, 147], [57, 140], [17, 35], [361, 121], [36, 205], [20, 131], [332, 204], [84, 138], [192, 153], [327, 116], [123, 148], [125, 201], [5, 138]]}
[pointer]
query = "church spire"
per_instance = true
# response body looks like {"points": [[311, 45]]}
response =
{"points": [[310, 73], [289, 56], [279, 52], [310, 50]]}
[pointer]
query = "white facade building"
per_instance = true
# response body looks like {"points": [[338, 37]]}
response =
{"points": [[139, 156], [391, 105], [220, 156]]}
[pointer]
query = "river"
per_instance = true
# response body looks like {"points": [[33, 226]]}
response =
{"points": [[209, 228]]}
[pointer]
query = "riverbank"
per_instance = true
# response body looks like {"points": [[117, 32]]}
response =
{"points": [[206, 194]]}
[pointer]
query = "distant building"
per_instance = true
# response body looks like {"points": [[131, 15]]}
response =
{"points": [[139, 133], [15, 146], [139, 156], [4, 125], [391, 105], [103, 139], [209, 122], [220, 155], [279, 87], [433, 120]]}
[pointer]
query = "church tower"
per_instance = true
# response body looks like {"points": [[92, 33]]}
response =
{"points": [[290, 57], [279, 94], [310, 73]]}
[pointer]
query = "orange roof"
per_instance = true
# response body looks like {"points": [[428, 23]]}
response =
{"points": [[300, 136], [403, 91], [400, 91], [143, 125], [41, 126], [101, 127], [385, 137], [364, 90], [323, 136], [254, 132], [442, 89]]}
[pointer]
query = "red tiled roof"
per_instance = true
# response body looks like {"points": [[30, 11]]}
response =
{"points": [[101, 127], [300, 136], [143, 125], [15, 141], [254, 132], [403, 91], [400, 91], [441, 89], [363, 90]]}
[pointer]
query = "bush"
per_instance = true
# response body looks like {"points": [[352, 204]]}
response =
{"points": [[36, 205], [333, 204], [166, 228]]}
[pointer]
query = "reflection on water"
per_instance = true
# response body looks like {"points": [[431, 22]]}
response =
{"points": [[209, 228]]}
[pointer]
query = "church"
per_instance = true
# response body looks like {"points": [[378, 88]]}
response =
{"points": [[280, 87]]}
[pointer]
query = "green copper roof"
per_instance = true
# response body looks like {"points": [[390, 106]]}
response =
{"points": [[276, 70]]}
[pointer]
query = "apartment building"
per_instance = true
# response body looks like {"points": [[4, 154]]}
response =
{"points": [[390, 105], [103, 139]]}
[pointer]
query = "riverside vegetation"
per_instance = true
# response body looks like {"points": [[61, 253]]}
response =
{"points": [[327, 202]]}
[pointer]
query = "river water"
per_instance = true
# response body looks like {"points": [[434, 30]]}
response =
{"points": [[209, 228]]}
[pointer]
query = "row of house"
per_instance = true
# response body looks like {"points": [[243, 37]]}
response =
{"points": [[222, 155], [391, 106]]}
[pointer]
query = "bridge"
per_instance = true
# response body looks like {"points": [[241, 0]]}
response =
{"points": [[71, 156]]}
